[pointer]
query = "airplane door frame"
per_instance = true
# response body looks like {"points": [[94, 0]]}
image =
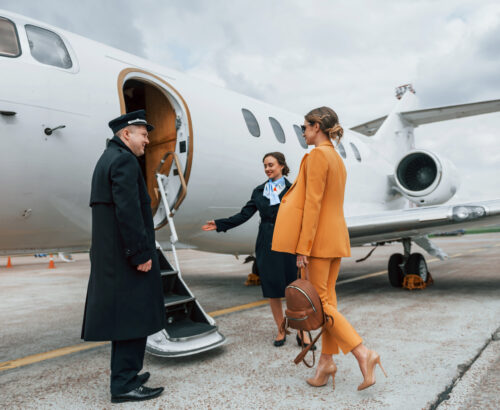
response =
{"points": [[184, 132]]}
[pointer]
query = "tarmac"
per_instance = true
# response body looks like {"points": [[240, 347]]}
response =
{"points": [[440, 346]]}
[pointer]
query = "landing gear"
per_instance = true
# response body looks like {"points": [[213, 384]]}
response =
{"points": [[395, 270], [416, 265], [408, 264]]}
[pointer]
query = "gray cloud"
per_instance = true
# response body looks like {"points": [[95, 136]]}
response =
{"points": [[111, 23], [298, 55]]}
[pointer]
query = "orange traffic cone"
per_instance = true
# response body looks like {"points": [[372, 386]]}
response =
{"points": [[52, 265], [9, 263]]}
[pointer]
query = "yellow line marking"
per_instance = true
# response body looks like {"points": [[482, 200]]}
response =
{"points": [[51, 354], [456, 255], [475, 250], [369, 275], [238, 308], [35, 358]]}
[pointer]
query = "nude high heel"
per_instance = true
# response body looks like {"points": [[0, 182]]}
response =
{"points": [[372, 361], [323, 373]]}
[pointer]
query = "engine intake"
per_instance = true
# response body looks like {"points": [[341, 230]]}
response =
{"points": [[425, 178]]}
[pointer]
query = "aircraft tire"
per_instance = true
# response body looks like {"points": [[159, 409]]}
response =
{"points": [[416, 265], [394, 270]]}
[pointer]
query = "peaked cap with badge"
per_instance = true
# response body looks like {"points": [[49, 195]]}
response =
{"points": [[131, 118]]}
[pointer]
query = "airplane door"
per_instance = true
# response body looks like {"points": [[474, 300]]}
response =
{"points": [[167, 111]]}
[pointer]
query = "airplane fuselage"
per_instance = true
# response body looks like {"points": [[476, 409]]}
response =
{"points": [[46, 178]]}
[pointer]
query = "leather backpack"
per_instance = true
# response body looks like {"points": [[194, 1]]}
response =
{"points": [[304, 313]]}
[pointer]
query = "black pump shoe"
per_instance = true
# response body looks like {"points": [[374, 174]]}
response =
{"points": [[140, 394], [279, 343], [299, 342]]}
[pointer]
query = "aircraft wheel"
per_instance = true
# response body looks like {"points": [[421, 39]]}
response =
{"points": [[394, 270], [416, 265]]}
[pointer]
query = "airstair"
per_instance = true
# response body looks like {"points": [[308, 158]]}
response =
{"points": [[189, 328]]}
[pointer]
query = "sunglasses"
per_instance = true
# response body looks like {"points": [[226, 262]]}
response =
{"points": [[303, 127]]}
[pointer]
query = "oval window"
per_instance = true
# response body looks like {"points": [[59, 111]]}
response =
{"points": [[300, 136], [278, 131], [341, 150], [251, 121], [356, 152]]}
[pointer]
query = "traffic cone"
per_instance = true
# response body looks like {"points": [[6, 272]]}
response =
{"points": [[9, 263], [52, 265]]}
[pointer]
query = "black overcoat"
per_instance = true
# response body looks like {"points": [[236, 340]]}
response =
{"points": [[122, 302], [276, 269]]}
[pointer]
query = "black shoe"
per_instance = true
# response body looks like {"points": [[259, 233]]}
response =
{"points": [[139, 394], [143, 378], [279, 343], [299, 342]]}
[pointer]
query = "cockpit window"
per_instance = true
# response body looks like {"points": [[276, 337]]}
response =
{"points": [[47, 47], [9, 42]]}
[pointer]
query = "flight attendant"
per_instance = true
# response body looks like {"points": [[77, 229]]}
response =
{"points": [[276, 269], [311, 225]]}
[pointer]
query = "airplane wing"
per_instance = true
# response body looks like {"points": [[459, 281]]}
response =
{"points": [[436, 114], [450, 112], [369, 128], [417, 222]]}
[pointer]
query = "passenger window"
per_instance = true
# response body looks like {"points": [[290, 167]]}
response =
{"points": [[341, 150], [47, 47], [302, 140], [9, 42], [251, 121], [356, 152], [278, 131]]}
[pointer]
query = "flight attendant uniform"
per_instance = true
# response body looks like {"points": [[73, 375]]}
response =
{"points": [[311, 222], [276, 269]]}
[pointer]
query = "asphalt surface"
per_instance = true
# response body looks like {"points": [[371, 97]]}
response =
{"points": [[440, 346]]}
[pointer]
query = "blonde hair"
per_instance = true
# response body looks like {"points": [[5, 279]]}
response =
{"points": [[328, 121]]}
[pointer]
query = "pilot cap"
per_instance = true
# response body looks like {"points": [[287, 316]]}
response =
{"points": [[131, 118]]}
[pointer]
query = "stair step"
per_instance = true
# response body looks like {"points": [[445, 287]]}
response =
{"points": [[187, 328], [172, 299], [168, 272]]}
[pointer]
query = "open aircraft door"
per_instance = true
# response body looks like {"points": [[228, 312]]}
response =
{"points": [[166, 166]]}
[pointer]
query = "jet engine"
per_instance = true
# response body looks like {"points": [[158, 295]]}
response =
{"points": [[425, 178]]}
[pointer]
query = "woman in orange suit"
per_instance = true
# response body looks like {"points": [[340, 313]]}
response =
{"points": [[311, 224]]}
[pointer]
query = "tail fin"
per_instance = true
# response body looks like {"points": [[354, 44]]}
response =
{"points": [[395, 130]]}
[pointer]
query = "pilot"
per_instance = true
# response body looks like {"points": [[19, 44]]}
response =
{"points": [[124, 296]]}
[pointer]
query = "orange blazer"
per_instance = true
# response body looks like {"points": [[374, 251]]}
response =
{"points": [[311, 215]]}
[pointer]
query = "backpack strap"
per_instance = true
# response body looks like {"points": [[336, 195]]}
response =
{"points": [[301, 357]]}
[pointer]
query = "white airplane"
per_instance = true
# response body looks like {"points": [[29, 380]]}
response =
{"points": [[58, 91]]}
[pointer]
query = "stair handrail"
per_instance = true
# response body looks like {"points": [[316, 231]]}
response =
{"points": [[181, 177]]}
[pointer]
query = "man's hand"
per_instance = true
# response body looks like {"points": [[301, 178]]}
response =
{"points": [[302, 261], [146, 266]]}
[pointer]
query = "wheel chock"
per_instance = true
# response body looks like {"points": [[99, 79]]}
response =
{"points": [[412, 282]]}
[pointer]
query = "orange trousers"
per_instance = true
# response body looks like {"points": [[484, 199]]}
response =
{"points": [[323, 273]]}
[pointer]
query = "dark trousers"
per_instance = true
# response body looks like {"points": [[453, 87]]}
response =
{"points": [[127, 357]]}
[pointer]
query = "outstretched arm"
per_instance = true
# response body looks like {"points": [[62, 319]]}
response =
{"points": [[222, 225]]}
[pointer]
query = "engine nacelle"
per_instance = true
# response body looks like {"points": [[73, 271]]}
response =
{"points": [[425, 178]]}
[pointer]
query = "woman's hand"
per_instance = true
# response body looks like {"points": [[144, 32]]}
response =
{"points": [[302, 261], [209, 226]]}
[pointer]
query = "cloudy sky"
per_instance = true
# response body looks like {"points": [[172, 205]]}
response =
{"points": [[348, 54]]}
